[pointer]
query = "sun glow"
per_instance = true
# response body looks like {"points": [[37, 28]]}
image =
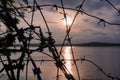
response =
{"points": [[67, 21]]}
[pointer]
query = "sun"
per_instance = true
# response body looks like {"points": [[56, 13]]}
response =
{"points": [[68, 21]]}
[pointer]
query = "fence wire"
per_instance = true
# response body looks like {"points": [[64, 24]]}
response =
{"points": [[13, 67]]}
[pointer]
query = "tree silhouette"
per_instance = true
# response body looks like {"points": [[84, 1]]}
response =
{"points": [[8, 15]]}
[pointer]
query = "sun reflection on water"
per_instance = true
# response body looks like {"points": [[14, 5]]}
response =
{"points": [[67, 56]]}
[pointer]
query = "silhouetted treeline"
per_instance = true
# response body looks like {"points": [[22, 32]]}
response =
{"points": [[93, 44]]}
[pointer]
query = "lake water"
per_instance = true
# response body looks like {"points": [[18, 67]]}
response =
{"points": [[107, 58]]}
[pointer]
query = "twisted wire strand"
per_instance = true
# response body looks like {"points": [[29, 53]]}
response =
{"points": [[56, 56], [112, 5], [81, 59], [80, 11]]}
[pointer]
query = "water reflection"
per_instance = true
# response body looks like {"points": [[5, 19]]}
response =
{"points": [[68, 56]]}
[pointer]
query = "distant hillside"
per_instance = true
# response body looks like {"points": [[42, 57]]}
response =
{"points": [[94, 44], [99, 44], [81, 44]]}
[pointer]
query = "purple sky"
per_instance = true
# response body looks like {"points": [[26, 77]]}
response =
{"points": [[85, 28]]}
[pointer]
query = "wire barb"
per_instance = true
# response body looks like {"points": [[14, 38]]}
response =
{"points": [[25, 36]]}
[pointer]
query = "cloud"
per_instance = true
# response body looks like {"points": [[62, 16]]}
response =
{"points": [[85, 28]]}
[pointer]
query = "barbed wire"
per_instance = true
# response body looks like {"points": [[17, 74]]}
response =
{"points": [[80, 11], [45, 42], [80, 59]]}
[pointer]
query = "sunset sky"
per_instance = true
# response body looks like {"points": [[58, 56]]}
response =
{"points": [[85, 28]]}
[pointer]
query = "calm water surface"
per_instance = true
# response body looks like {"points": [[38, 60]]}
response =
{"points": [[106, 57]]}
